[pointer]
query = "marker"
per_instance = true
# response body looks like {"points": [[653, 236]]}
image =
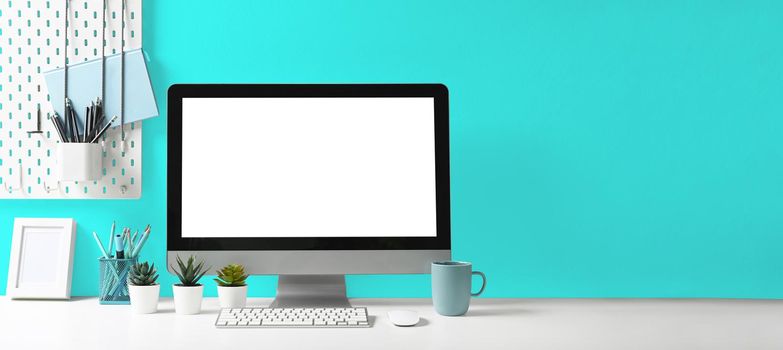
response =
{"points": [[120, 246]]}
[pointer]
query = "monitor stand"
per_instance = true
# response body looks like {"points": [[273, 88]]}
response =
{"points": [[311, 291]]}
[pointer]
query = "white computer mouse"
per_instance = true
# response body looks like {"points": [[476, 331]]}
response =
{"points": [[404, 318]]}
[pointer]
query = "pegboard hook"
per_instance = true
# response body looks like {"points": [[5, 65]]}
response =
{"points": [[37, 124], [50, 189], [11, 189]]}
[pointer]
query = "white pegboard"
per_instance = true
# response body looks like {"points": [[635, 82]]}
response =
{"points": [[31, 42]]}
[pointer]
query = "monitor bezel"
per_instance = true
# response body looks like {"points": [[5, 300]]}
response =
{"points": [[176, 92]]}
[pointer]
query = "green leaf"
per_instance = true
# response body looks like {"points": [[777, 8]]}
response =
{"points": [[181, 278]]}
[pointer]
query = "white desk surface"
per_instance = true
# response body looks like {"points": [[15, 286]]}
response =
{"points": [[490, 324]]}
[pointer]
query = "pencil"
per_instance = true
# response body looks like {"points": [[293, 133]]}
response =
{"points": [[111, 237], [100, 245], [104, 129]]}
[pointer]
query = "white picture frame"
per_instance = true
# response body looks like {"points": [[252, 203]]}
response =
{"points": [[41, 258]]}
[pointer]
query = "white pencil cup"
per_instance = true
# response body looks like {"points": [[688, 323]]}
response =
{"points": [[79, 161]]}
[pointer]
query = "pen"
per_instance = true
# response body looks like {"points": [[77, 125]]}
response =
{"points": [[72, 128], [120, 246], [67, 120], [98, 112], [93, 115], [59, 131], [75, 123], [86, 123], [92, 119], [96, 123], [70, 120]]}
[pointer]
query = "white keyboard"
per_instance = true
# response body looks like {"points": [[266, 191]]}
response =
{"points": [[330, 317]]}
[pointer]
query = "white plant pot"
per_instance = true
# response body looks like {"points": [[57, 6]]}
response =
{"points": [[232, 297], [144, 299], [187, 300]]}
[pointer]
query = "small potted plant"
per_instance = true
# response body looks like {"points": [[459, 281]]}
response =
{"points": [[144, 291], [188, 293], [232, 289]]}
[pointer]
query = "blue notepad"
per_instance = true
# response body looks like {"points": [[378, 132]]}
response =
{"points": [[84, 86]]}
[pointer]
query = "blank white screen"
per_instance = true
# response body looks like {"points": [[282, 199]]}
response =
{"points": [[308, 167]]}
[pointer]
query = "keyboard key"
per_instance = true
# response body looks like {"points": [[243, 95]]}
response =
{"points": [[287, 323]]}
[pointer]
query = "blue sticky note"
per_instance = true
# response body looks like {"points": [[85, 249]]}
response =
{"points": [[84, 86]]}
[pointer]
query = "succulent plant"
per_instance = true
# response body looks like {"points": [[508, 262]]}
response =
{"points": [[188, 273], [232, 275], [143, 274]]}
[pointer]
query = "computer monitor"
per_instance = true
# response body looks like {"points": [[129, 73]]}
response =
{"points": [[309, 182]]}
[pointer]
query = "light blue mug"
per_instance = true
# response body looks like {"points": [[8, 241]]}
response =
{"points": [[451, 285]]}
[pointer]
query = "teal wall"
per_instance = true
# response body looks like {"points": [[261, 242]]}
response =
{"points": [[600, 148]]}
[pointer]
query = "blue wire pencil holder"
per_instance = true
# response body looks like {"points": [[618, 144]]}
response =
{"points": [[113, 288]]}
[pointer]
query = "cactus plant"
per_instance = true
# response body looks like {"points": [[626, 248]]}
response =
{"points": [[143, 274], [232, 275], [188, 273]]}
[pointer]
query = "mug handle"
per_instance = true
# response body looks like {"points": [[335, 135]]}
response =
{"points": [[483, 283]]}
